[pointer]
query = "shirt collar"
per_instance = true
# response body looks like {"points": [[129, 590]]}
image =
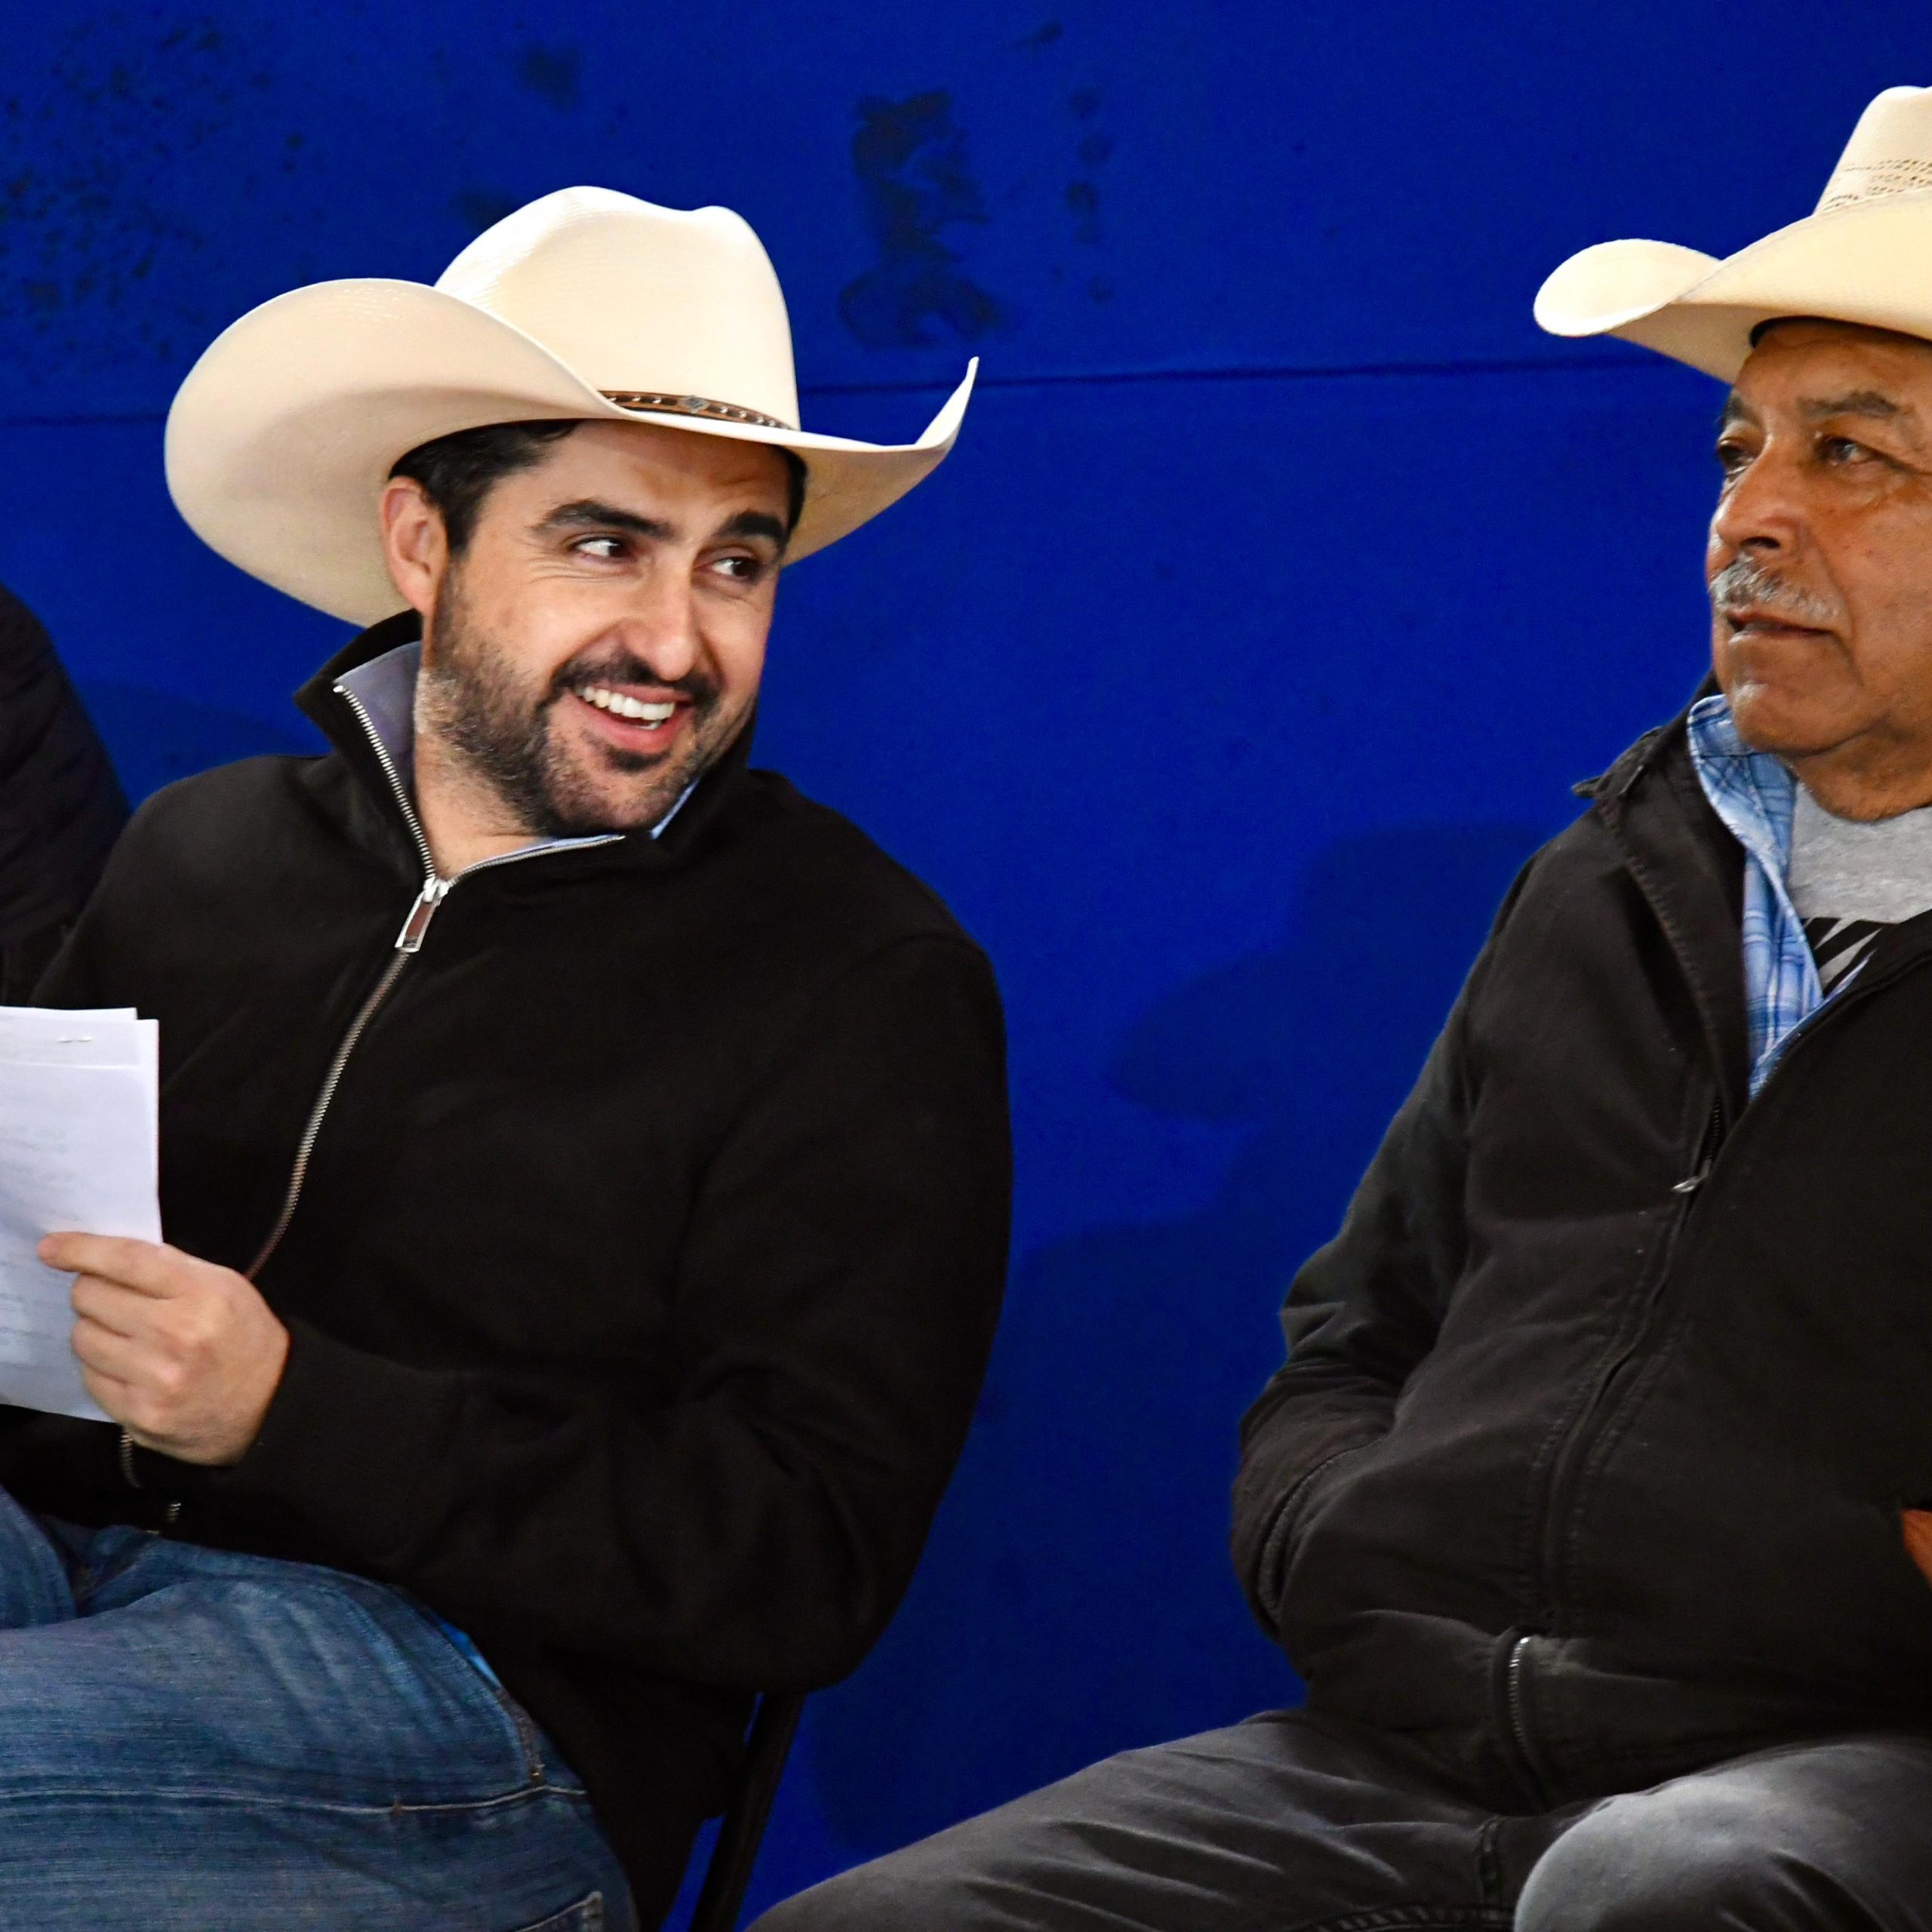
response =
{"points": [[1754, 796], [1750, 790]]}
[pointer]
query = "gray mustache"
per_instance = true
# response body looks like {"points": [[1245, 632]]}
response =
{"points": [[1744, 585]]}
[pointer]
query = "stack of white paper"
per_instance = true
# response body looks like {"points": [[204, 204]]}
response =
{"points": [[78, 1102]]}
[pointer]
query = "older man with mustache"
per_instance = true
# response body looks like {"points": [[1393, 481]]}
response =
{"points": [[1587, 1501]]}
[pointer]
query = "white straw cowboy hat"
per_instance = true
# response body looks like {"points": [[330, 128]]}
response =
{"points": [[586, 304], [1864, 255]]}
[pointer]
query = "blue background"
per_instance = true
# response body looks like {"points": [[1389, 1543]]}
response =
{"points": [[1284, 579]]}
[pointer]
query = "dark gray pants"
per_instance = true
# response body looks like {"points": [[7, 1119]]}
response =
{"points": [[1288, 1823]]}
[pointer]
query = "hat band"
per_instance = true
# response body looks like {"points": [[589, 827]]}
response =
{"points": [[691, 406], [1873, 181]]}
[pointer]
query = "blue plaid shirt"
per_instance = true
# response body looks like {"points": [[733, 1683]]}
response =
{"points": [[1754, 796]]}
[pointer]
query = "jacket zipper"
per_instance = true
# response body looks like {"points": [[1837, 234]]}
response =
{"points": [[1686, 1192], [1519, 1722], [1707, 1153], [1578, 1441], [408, 943], [1712, 1143], [1584, 1429], [1575, 1447], [299, 1173]]}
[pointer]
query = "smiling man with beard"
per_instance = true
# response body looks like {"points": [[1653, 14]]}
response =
{"points": [[584, 1159], [518, 631]]}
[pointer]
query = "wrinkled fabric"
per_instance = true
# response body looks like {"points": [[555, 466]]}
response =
{"points": [[1294, 1823], [190, 1738]]}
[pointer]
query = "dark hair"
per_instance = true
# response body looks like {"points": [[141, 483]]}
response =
{"points": [[457, 472]]}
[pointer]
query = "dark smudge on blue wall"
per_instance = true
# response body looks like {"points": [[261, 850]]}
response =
{"points": [[914, 186]]}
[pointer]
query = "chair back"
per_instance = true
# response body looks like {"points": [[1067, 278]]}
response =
{"points": [[767, 1746]]}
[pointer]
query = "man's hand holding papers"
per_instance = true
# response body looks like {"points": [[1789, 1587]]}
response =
{"points": [[184, 1355], [78, 1097]]}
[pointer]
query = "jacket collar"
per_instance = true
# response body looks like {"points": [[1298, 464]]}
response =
{"points": [[683, 830], [1690, 869]]}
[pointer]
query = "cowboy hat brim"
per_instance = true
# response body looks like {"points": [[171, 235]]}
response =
{"points": [[1870, 264], [281, 439]]}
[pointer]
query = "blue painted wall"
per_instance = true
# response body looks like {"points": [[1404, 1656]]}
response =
{"points": [[1283, 580]]}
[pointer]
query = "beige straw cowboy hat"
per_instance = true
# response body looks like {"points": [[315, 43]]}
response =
{"points": [[587, 303], [1864, 255]]}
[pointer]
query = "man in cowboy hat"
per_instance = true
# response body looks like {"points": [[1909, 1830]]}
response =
{"points": [[584, 1159], [1587, 1503]]}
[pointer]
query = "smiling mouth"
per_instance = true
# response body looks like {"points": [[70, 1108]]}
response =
{"points": [[651, 716]]}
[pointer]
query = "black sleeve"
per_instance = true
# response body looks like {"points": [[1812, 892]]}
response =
{"points": [[60, 805], [1362, 1312], [837, 1299]]}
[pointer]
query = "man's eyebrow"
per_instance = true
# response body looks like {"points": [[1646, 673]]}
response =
{"points": [[1874, 405], [589, 514], [754, 523]]}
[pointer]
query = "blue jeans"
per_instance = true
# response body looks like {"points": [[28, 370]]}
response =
{"points": [[191, 1739]]}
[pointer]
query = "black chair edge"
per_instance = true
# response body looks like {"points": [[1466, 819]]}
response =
{"points": [[729, 1873]]}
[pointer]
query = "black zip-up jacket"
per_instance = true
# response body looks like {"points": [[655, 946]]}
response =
{"points": [[646, 1257], [1586, 1466]]}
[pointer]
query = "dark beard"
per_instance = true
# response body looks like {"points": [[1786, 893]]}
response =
{"points": [[480, 710]]}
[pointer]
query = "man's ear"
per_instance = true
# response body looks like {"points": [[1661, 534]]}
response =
{"points": [[415, 544]]}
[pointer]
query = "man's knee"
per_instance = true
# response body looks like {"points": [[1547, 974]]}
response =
{"points": [[887, 1893], [1690, 1854], [809, 1912], [984, 1875]]}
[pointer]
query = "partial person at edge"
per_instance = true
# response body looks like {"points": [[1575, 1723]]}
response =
{"points": [[61, 806]]}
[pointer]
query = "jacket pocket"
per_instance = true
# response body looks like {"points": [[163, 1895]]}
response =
{"points": [[1271, 1572]]}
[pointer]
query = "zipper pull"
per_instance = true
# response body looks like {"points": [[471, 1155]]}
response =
{"points": [[1696, 1181], [435, 891]]}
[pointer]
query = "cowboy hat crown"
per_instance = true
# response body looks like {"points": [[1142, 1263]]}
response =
{"points": [[619, 289], [586, 304], [1864, 254]]}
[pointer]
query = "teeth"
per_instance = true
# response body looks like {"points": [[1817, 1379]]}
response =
{"points": [[616, 702]]}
